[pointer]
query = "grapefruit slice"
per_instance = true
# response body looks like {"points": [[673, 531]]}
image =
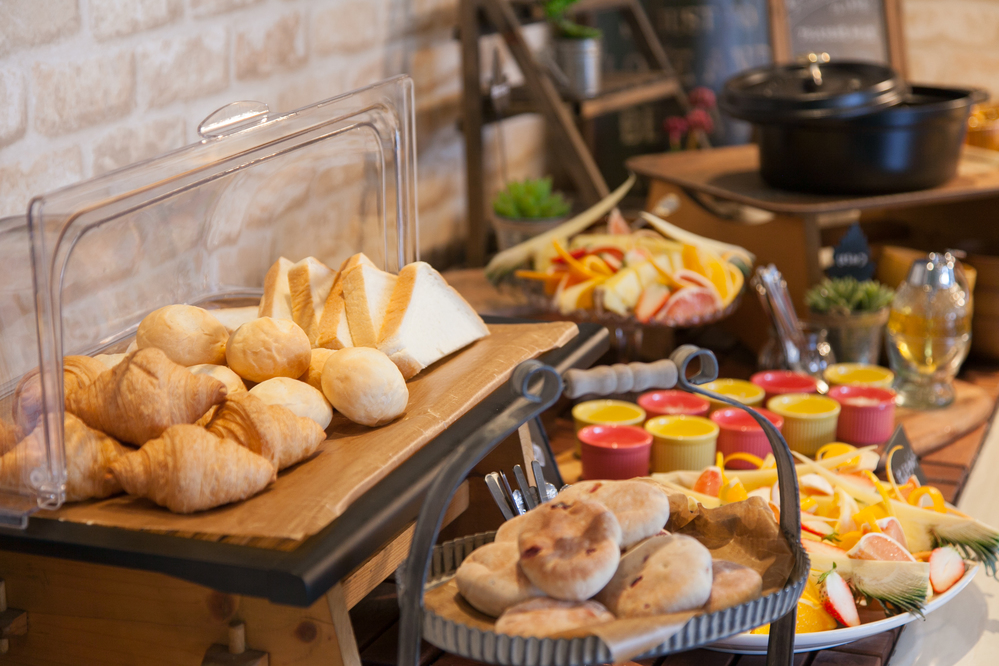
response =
{"points": [[709, 482], [688, 305], [653, 298], [893, 528], [880, 546]]}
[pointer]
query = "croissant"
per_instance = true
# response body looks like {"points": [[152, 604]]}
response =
{"points": [[273, 431], [77, 372], [189, 469], [10, 435], [88, 455], [144, 395]]}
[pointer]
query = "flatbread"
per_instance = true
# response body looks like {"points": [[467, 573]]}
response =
{"points": [[547, 617], [641, 509], [732, 584], [491, 581]]}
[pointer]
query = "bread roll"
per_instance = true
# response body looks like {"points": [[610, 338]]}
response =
{"points": [[265, 348], [490, 579], [365, 386], [548, 617], [314, 375], [640, 508], [186, 334], [300, 398], [233, 384]]}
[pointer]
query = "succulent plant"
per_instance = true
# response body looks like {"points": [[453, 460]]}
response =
{"points": [[844, 296], [555, 11], [531, 198]]}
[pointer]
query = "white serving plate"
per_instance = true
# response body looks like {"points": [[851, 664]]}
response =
{"points": [[747, 643]]}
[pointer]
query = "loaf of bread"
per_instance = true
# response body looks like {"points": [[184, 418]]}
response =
{"points": [[334, 331], [365, 386], [366, 292], [186, 334], [426, 319], [297, 396], [276, 302], [314, 375], [233, 384], [310, 282], [266, 347]]}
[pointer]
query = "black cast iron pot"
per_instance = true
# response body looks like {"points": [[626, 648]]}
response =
{"points": [[859, 131]]}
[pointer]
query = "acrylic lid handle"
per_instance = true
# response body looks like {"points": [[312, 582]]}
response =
{"points": [[233, 117]]}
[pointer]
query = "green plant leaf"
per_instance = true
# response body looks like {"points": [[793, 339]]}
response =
{"points": [[531, 198]]}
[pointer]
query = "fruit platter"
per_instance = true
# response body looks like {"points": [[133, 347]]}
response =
{"points": [[882, 553], [597, 267]]}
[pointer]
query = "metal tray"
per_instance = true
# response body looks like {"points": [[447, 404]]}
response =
{"points": [[493, 648]]}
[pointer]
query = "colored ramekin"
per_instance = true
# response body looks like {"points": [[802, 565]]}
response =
{"points": [[779, 382], [600, 412], [867, 416], [806, 432], [673, 450], [614, 451], [739, 390], [859, 374], [671, 403], [740, 433]]}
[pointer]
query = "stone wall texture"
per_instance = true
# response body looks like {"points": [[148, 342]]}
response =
{"points": [[88, 86]]}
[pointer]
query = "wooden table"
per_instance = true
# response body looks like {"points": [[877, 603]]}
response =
{"points": [[723, 196]]}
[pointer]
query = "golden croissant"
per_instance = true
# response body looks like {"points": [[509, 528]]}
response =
{"points": [[142, 396], [77, 372], [89, 453], [272, 431], [189, 469], [10, 435]]}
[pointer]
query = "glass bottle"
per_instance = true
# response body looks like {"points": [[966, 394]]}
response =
{"points": [[929, 331]]}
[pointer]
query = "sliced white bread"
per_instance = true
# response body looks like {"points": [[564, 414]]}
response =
{"points": [[233, 318], [276, 302], [426, 320], [310, 282], [334, 332], [366, 294]]}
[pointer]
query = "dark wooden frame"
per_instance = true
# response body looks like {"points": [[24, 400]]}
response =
{"points": [[780, 37]]}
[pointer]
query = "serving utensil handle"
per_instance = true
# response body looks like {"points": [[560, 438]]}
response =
{"points": [[620, 378]]}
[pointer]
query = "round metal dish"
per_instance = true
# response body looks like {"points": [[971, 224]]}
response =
{"points": [[493, 648]]}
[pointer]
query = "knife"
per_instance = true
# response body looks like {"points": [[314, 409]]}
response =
{"points": [[493, 483], [525, 487]]}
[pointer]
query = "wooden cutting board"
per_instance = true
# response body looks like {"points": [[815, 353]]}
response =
{"points": [[308, 496], [931, 429]]}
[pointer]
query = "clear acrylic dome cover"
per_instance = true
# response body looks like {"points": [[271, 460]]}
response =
{"points": [[200, 225]]}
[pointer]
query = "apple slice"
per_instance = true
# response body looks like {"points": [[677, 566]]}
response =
{"points": [[653, 298]]}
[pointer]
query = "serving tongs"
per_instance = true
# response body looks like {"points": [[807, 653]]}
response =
{"points": [[776, 300]]}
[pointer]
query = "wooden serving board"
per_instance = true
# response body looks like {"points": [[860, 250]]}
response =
{"points": [[307, 497], [931, 429]]}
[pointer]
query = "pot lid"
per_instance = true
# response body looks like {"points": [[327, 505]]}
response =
{"points": [[812, 89]]}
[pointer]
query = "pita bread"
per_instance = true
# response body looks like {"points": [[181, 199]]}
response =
{"points": [[640, 508], [547, 617], [490, 579]]}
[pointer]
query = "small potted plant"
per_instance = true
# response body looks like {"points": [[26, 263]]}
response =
{"points": [[854, 314], [526, 208], [577, 49]]}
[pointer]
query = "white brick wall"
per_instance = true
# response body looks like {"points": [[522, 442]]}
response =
{"points": [[953, 42], [88, 86]]}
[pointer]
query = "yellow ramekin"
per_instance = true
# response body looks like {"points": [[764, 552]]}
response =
{"points": [[859, 374], [601, 412], [809, 420], [740, 390], [681, 442]]}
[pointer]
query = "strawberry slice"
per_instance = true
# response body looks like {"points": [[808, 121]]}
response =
{"points": [[653, 298], [946, 568], [837, 598]]}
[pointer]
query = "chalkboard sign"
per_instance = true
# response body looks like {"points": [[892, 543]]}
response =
{"points": [[845, 29]]}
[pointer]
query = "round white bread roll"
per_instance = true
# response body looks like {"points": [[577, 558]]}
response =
{"points": [[186, 334], [314, 375], [233, 384], [297, 396], [365, 386], [265, 348]]}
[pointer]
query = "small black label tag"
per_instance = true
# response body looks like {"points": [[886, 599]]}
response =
{"points": [[852, 256], [904, 463]]}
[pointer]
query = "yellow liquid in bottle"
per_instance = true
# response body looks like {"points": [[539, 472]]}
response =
{"points": [[929, 344]]}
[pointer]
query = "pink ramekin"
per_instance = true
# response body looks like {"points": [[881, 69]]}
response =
{"points": [[867, 413], [671, 403], [779, 382], [614, 451], [738, 432]]}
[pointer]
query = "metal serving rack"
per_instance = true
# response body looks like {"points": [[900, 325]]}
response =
{"points": [[538, 386]]}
